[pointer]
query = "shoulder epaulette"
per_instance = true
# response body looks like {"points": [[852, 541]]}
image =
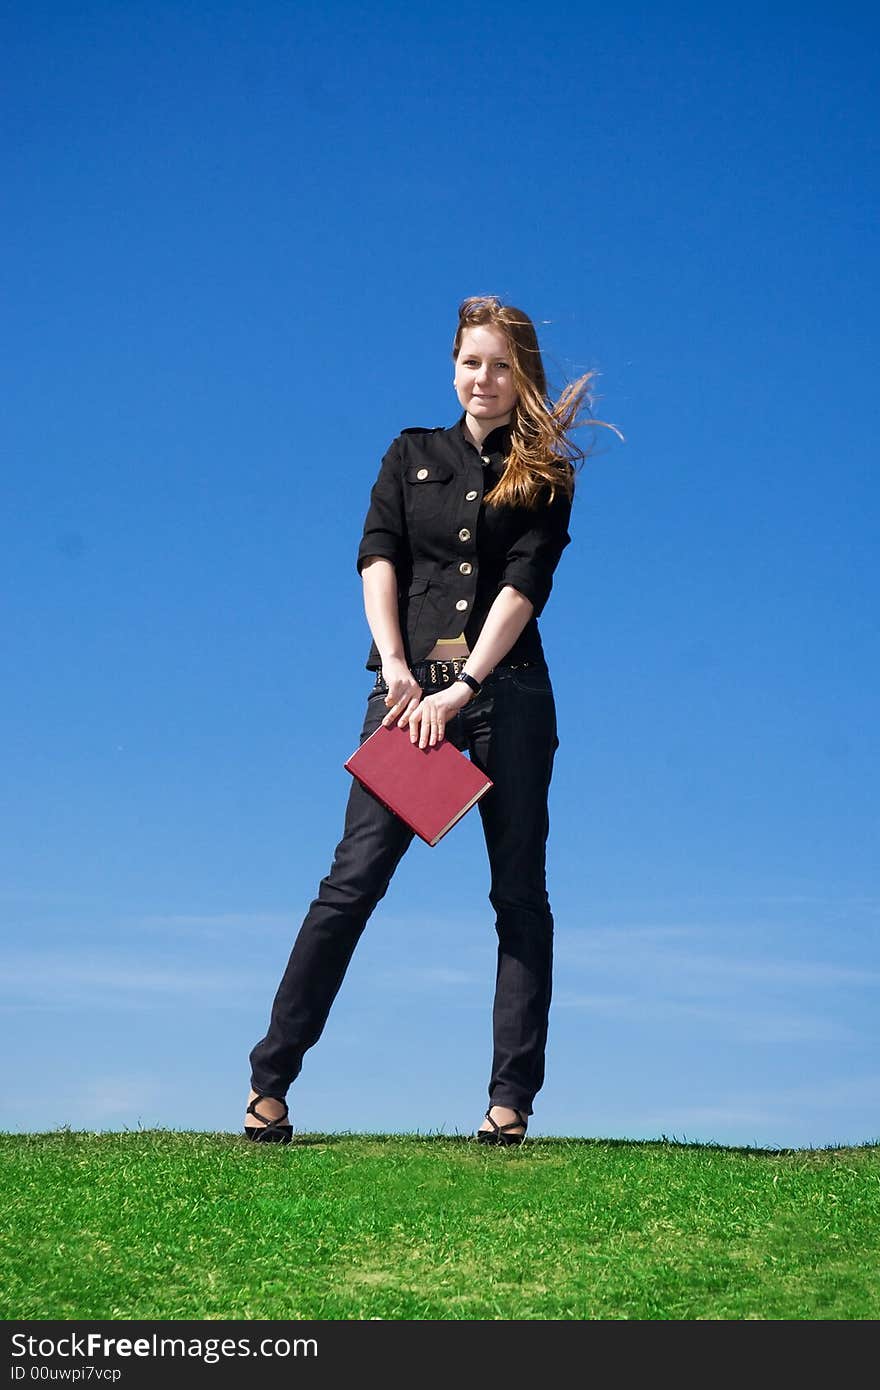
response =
{"points": [[422, 429]]}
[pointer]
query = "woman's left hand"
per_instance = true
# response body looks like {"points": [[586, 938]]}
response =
{"points": [[427, 722]]}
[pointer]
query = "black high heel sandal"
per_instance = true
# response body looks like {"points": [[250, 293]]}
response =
{"points": [[272, 1131], [500, 1134]]}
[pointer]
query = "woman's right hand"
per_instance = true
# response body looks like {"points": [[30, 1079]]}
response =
{"points": [[404, 691]]}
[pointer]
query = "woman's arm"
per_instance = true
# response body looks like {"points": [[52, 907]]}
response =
{"points": [[505, 621], [380, 604]]}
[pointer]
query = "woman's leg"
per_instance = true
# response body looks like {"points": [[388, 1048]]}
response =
{"points": [[374, 841], [512, 735]]}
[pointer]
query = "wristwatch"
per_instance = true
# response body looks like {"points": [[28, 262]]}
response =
{"points": [[475, 685]]}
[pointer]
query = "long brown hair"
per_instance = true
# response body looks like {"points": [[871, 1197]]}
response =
{"points": [[542, 456]]}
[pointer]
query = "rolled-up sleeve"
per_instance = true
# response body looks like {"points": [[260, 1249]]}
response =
{"points": [[384, 525], [533, 557]]}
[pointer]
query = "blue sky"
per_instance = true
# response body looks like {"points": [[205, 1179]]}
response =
{"points": [[235, 241]]}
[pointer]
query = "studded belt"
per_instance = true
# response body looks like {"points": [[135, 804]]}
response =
{"points": [[438, 674], [433, 673]]}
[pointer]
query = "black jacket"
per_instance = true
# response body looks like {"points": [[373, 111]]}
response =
{"points": [[451, 553]]}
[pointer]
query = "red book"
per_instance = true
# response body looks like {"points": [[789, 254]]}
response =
{"points": [[429, 788]]}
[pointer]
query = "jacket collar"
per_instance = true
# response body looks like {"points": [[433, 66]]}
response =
{"points": [[496, 444]]}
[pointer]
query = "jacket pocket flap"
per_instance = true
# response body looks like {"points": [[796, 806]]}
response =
{"points": [[418, 586], [418, 473]]}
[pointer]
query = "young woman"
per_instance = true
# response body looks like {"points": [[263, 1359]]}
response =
{"points": [[464, 531]]}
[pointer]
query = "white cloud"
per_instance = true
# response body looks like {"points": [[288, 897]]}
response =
{"points": [[94, 1101], [55, 978], [216, 924], [778, 1110], [426, 976], [745, 1025], [643, 952]]}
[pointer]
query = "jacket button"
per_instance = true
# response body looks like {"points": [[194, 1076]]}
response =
{"points": [[485, 458], [465, 567], [422, 473], [461, 605], [464, 534], [469, 496]]}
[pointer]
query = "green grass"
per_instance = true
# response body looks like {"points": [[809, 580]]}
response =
{"points": [[158, 1224]]}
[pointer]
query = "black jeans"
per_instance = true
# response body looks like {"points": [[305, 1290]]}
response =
{"points": [[509, 730]]}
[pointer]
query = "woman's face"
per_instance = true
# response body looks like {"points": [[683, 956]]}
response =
{"points": [[484, 375]]}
